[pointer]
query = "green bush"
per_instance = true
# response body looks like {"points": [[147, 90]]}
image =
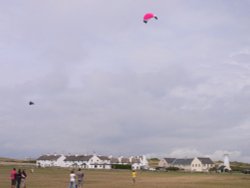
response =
{"points": [[237, 168], [171, 168], [121, 166], [214, 169]]}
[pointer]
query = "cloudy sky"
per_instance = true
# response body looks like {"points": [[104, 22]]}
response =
{"points": [[105, 82]]}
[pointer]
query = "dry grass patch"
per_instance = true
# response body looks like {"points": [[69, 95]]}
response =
{"points": [[59, 178]]}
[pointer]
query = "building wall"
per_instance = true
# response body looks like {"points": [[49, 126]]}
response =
{"points": [[45, 163], [186, 167], [60, 161], [93, 163], [196, 165], [163, 163]]}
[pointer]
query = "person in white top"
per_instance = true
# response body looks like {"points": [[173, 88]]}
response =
{"points": [[72, 183]]}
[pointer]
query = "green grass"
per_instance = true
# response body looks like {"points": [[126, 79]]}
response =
{"points": [[59, 178]]}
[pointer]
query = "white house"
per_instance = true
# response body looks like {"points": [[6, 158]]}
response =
{"points": [[50, 160], [139, 162], [166, 162], [87, 161], [201, 164], [184, 164], [197, 164], [124, 160], [90, 161], [105, 162], [99, 162], [77, 161]]}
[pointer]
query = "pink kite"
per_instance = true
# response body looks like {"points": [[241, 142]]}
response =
{"points": [[149, 16]]}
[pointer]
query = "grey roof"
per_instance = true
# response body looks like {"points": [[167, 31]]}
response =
{"points": [[78, 157], [49, 157], [135, 160], [125, 160], [205, 160], [114, 160], [169, 160], [222, 167], [186, 161], [104, 158]]}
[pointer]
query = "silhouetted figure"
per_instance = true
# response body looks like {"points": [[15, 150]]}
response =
{"points": [[80, 176], [18, 178], [31, 103]]}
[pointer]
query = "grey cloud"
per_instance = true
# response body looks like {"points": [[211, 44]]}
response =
{"points": [[102, 80]]}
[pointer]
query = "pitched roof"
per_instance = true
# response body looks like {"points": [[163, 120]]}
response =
{"points": [[49, 157], [135, 160], [114, 160], [78, 157], [205, 160], [125, 160], [222, 167], [186, 161], [104, 158], [169, 160]]}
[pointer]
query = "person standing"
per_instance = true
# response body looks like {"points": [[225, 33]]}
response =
{"points": [[18, 178], [72, 183], [133, 176], [13, 178], [80, 176], [23, 179]]}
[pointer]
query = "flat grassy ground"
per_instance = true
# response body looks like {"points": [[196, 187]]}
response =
{"points": [[59, 178]]}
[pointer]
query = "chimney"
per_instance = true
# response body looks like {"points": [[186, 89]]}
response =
{"points": [[226, 161]]}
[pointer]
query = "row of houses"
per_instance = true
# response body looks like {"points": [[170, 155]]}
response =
{"points": [[196, 164], [90, 161]]}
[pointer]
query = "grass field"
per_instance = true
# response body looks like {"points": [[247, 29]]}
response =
{"points": [[59, 178]]}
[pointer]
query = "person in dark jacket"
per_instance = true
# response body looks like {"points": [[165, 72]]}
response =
{"points": [[18, 178]]}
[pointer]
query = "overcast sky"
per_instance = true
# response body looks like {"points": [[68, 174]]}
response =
{"points": [[105, 82]]}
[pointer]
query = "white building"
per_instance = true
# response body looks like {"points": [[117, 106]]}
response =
{"points": [[87, 161], [50, 160], [201, 164], [225, 167], [90, 161], [166, 162], [197, 164], [139, 162]]}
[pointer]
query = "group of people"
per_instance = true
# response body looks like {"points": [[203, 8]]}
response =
{"points": [[18, 178], [76, 179]]}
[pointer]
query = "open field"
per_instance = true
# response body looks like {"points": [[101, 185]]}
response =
{"points": [[58, 178]]}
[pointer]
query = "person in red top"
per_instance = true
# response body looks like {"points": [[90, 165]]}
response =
{"points": [[13, 178]]}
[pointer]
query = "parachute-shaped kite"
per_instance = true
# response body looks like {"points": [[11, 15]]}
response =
{"points": [[149, 16]]}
